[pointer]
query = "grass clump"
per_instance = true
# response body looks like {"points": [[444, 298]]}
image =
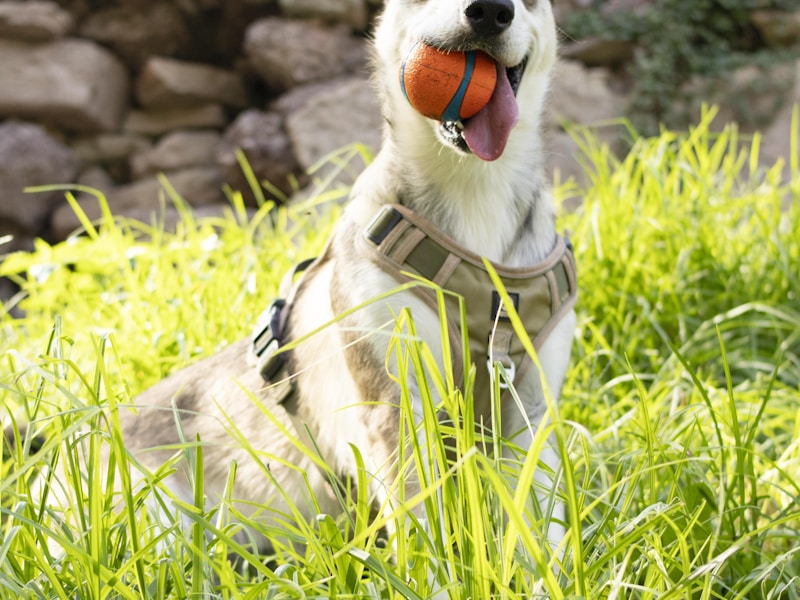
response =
{"points": [[678, 424], [691, 347]]}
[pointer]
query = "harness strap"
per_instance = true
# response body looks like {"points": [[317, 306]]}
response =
{"points": [[410, 241], [267, 336], [403, 242]]}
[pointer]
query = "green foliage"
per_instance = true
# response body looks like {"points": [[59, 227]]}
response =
{"points": [[688, 368], [688, 53], [678, 424]]}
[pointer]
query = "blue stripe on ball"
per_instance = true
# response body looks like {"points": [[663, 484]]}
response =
{"points": [[453, 110], [403, 72]]}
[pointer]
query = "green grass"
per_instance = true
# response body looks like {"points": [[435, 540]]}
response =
{"points": [[678, 423]]}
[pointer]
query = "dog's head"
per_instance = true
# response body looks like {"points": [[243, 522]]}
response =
{"points": [[520, 36]]}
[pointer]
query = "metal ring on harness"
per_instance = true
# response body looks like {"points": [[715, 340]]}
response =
{"points": [[510, 370]]}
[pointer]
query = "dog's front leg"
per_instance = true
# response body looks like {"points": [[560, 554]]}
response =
{"points": [[405, 489], [520, 420], [520, 433]]}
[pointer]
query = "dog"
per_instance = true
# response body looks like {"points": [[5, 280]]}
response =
{"points": [[319, 370]]}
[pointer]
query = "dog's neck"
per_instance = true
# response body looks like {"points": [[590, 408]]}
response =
{"points": [[501, 210]]}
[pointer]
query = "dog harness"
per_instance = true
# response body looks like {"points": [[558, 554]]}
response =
{"points": [[407, 246]]}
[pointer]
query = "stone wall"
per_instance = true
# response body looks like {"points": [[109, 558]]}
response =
{"points": [[111, 93]]}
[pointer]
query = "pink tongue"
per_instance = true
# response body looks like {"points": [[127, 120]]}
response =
{"points": [[487, 132]]}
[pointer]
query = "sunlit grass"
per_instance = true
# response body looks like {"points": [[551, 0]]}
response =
{"points": [[678, 423]]}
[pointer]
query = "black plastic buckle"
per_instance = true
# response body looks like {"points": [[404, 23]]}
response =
{"points": [[267, 339], [497, 305]]}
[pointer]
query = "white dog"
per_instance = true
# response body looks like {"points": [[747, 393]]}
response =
{"points": [[438, 198]]}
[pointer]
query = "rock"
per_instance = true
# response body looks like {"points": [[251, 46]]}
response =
{"points": [[112, 151], [168, 83], [262, 139], [34, 21], [135, 33], [344, 112], [778, 27], [194, 7], [749, 95], [79, 9], [297, 97], [170, 217], [73, 84], [776, 143], [582, 95], [143, 199], [160, 121], [286, 53], [563, 159], [96, 178], [175, 151], [352, 12], [110, 147], [197, 186], [598, 52], [30, 157]]}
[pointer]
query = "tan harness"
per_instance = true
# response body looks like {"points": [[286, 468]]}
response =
{"points": [[405, 245], [401, 242]]}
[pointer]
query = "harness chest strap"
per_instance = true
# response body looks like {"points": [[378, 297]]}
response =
{"points": [[401, 242]]}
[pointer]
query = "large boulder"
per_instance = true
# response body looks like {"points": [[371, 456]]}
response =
{"points": [[145, 199], [580, 96], [136, 33], [73, 84], [776, 143], [109, 148], [286, 53], [583, 95], [261, 138], [343, 112], [352, 12], [750, 95], [158, 121], [30, 157], [34, 21], [599, 52], [168, 83], [176, 151]]}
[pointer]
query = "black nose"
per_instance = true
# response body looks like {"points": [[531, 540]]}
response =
{"points": [[490, 17]]}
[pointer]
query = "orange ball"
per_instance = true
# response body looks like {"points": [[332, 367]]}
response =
{"points": [[447, 86]]}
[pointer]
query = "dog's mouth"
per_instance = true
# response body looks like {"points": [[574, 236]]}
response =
{"points": [[485, 134]]}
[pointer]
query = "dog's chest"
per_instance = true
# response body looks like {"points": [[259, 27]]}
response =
{"points": [[407, 247]]}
